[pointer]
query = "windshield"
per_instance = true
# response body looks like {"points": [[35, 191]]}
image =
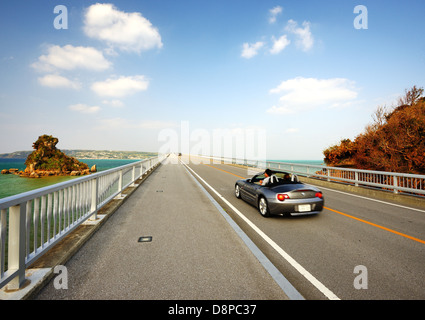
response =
{"points": [[282, 178]]}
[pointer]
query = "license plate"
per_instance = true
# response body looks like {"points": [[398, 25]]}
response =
{"points": [[304, 207]]}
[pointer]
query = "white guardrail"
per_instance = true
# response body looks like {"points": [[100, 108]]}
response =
{"points": [[33, 222], [405, 183]]}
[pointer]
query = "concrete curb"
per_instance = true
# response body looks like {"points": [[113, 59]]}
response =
{"points": [[42, 270]]}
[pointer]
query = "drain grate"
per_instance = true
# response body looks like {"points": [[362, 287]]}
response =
{"points": [[145, 239]]}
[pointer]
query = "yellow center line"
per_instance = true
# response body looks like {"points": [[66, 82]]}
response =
{"points": [[224, 171], [346, 215], [377, 226]]}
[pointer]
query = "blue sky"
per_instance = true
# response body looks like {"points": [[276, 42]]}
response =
{"points": [[284, 79]]}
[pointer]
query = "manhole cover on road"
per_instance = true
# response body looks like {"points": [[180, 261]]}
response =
{"points": [[145, 239]]}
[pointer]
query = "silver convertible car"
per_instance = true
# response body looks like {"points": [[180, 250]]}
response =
{"points": [[285, 195]]}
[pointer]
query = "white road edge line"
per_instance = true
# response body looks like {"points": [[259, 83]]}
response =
{"points": [[322, 288], [277, 276]]}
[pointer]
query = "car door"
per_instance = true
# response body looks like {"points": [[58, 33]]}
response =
{"points": [[250, 192]]}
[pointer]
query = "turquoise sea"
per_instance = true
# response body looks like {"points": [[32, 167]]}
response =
{"points": [[310, 162], [300, 170], [11, 184]]}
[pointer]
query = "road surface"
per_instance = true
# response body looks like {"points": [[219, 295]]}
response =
{"points": [[357, 248]]}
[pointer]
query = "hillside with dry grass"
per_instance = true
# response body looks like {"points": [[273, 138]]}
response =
{"points": [[394, 142]]}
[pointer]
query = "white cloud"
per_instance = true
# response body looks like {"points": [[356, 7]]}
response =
{"points": [[126, 31], [251, 50], [302, 34], [83, 108], [57, 81], [279, 44], [300, 94], [70, 58], [120, 87], [305, 38], [274, 13], [114, 103]]}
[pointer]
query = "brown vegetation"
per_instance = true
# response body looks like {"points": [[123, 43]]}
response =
{"points": [[394, 142]]}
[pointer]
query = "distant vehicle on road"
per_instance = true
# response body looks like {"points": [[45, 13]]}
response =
{"points": [[285, 195]]}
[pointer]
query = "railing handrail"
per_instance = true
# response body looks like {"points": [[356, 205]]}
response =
{"points": [[28, 195], [398, 174], [396, 177], [410, 175], [51, 213]]}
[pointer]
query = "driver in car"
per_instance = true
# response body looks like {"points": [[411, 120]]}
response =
{"points": [[270, 178]]}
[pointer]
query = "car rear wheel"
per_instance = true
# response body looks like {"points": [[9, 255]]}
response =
{"points": [[263, 207], [237, 191]]}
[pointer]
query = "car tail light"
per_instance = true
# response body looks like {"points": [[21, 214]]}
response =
{"points": [[319, 195], [282, 196]]}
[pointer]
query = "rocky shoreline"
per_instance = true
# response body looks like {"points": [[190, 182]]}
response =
{"points": [[48, 173], [46, 161]]}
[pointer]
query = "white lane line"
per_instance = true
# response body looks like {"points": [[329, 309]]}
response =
{"points": [[277, 276], [322, 288]]}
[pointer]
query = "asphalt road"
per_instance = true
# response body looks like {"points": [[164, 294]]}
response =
{"points": [[193, 254], [357, 248]]}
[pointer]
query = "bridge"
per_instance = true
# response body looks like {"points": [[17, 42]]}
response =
{"points": [[171, 228]]}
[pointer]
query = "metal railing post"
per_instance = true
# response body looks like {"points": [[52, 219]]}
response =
{"points": [[16, 246], [120, 183], [395, 184], [3, 231], [133, 176], [94, 198]]}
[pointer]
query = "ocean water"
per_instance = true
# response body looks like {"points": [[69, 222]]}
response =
{"points": [[310, 162], [11, 184], [300, 170]]}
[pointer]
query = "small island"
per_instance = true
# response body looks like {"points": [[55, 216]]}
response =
{"points": [[46, 160]]}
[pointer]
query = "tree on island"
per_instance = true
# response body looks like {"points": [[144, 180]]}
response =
{"points": [[394, 142], [46, 159]]}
